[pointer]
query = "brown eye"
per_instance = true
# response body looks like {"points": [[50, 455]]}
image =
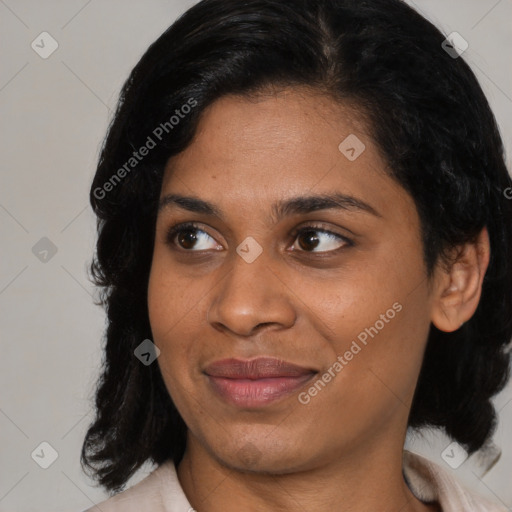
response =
{"points": [[190, 237], [308, 240], [187, 238], [312, 237]]}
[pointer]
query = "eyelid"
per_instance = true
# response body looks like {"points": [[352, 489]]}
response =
{"points": [[320, 227]]}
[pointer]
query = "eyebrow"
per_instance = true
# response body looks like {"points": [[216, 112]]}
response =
{"points": [[280, 209]]}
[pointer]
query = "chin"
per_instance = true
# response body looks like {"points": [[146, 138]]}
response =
{"points": [[262, 455]]}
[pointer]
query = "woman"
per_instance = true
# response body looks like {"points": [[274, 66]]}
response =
{"points": [[305, 249]]}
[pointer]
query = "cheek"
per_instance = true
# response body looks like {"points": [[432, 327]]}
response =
{"points": [[171, 315], [374, 379], [174, 301], [380, 297], [377, 321], [176, 307], [379, 354]]}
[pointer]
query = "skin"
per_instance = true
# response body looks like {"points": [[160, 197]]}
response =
{"points": [[343, 449]]}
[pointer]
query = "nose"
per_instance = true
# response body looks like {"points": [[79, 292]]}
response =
{"points": [[251, 296]]}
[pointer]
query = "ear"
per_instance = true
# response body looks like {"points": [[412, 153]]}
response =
{"points": [[458, 288]]}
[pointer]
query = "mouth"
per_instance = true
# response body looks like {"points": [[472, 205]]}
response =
{"points": [[256, 382]]}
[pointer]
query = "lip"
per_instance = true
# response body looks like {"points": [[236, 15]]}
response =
{"points": [[256, 382]]}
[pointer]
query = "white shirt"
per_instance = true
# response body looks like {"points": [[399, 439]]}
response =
{"points": [[161, 491]]}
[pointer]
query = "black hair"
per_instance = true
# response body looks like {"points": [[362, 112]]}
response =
{"points": [[428, 117]]}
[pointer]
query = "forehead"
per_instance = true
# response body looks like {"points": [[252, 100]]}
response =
{"points": [[272, 127], [252, 151]]}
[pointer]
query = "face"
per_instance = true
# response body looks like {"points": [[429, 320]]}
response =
{"points": [[287, 293]]}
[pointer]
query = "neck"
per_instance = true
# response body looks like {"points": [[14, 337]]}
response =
{"points": [[360, 480]]}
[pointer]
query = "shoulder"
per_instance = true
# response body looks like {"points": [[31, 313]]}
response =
{"points": [[160, 491], [430, 483]]}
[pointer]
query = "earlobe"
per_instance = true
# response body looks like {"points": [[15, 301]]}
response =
{"points": [[459, 284]]}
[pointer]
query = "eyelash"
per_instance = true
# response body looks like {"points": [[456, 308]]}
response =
{"points": [[192, 226]]}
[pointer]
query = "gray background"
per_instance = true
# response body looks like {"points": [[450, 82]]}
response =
{"points": [[53, 115]]}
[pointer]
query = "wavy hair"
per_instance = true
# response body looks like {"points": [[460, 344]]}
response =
{"points": [[431, 122]]}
